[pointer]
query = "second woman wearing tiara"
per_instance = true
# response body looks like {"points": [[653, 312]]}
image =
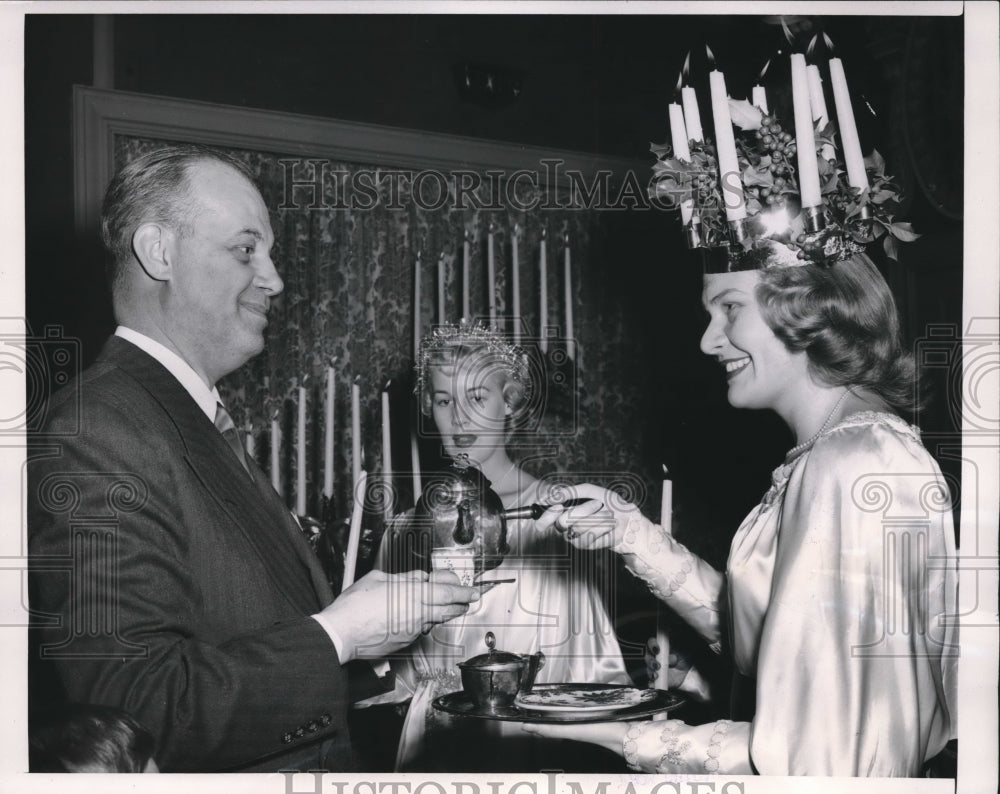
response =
{"points": [[474, 384]]}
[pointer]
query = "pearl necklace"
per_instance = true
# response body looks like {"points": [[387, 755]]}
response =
{"points": [[812, 439]]}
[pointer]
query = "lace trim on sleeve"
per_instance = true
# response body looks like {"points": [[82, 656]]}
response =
{"points": [[715, 745], [672, 759], [630, 747], [661, 583]]}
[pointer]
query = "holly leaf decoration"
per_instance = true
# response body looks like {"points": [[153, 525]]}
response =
{"points": [[903, 231], [875, 163], [891, 247], [661, 150], [744, 115]]}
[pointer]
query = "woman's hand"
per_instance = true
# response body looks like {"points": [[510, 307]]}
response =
{"points": [[599, 523], [606, 734], [678, 665]]}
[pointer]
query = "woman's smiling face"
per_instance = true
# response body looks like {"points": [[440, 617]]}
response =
{"points": [[760, 370], [468, 407]]}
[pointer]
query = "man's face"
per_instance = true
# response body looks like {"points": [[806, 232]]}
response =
{"points": [[222, 276]]}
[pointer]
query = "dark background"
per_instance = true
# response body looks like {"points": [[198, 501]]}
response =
{"points": [[590, 83]]}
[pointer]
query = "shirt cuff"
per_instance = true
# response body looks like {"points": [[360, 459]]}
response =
{"points": [[344, 654], [380, 666]]}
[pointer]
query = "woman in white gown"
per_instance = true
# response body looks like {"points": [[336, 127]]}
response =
{"points": [[473, 383], [840, 588]]}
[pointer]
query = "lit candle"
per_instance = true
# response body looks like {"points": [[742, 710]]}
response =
{"points": [[725, 144], [300, 460], [666, 502], [515, 283], [356, 429], [853, 160], [817, 104], [543, 295], [568, 284], [249, 444], [491, 277], [416, 309], [692, 118], [354, 534], [331, 388], [466, 270], [759, 94], [387, 450], [805, 142], [678, 136], [276, 452], [418, 486], [441, 318], [760, 98]]}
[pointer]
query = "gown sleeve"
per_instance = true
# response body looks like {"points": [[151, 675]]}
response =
{"points": [[686, 583], [855, 671], [852, 673]]}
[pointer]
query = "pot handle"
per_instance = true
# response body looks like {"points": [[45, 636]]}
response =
{"points": [[535, 662]]}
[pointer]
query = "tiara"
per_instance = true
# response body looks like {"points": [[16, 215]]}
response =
{"points": [[742, 196], [444, 339]]}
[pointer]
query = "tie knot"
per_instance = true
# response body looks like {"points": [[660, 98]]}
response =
{"points": [[223, 421]]}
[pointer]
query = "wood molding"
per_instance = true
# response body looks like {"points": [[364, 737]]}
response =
{"points": [[100, 114]]}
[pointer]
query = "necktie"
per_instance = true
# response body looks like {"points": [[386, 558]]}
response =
{"points": [[224, 423]]}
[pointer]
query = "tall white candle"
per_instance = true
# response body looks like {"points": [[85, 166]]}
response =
{"points": [[543, 296], [666, 502], [440, 316], [276, 452], [387, 450], [515, 284], [817, 103], [416, 308], [760, 98], [678, 136], [491, 278], [662, 637], [725, 144], [300, 459], [354, 533], [418, 486], [805, 141], [328, 428], [568, 285], [466, 273], [692, 118], [853, 159], [356, 430]]}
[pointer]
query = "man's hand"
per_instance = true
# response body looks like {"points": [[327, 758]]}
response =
{"points": [[382, 613], [596, 524]]}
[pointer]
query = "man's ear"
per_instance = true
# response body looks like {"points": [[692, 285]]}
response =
{"points": [[150, 244]]}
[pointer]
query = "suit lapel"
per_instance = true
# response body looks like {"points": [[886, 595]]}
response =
{"points": [[258, 513]]}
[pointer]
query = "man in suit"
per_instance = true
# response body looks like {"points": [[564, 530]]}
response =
{"points": [[169, 579]]}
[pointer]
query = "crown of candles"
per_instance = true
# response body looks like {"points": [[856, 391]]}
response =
{"points": [[764, 184]]}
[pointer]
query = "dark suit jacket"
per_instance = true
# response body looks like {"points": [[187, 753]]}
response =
{"points": [[171, 585]]}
